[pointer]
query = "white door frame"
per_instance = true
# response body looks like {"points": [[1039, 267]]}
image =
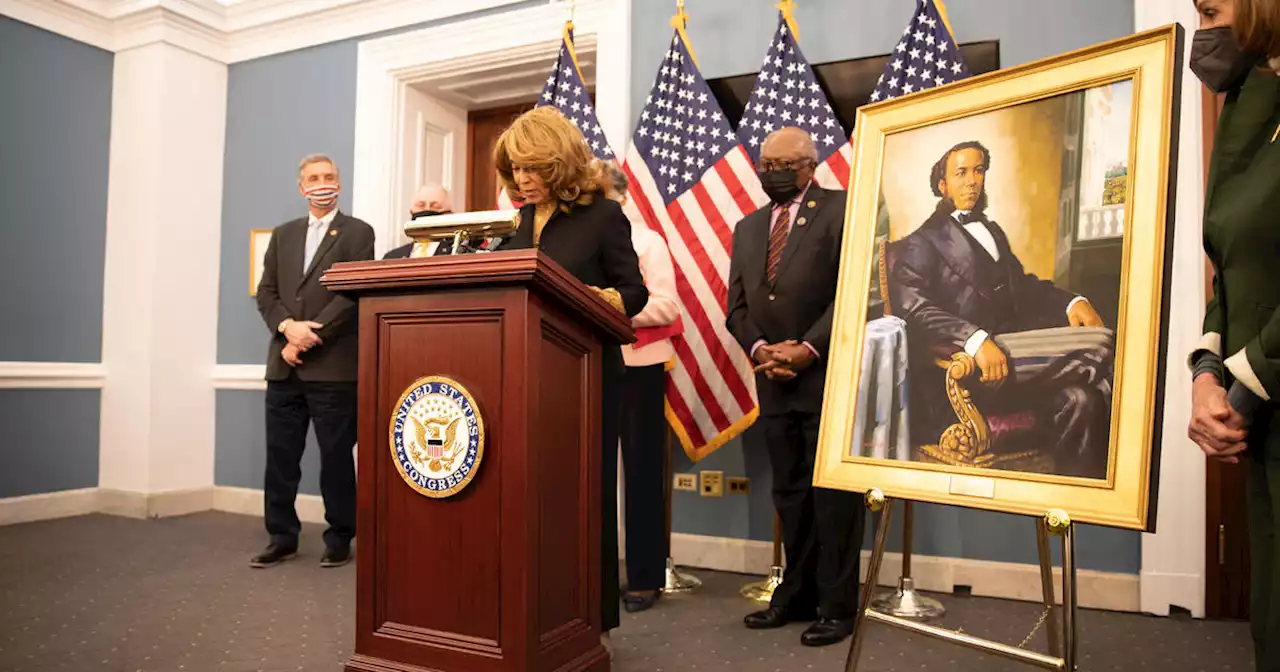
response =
{"points": [[387, 66], [1173, 559]]}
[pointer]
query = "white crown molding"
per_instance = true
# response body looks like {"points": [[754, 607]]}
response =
{"points": [[240, 377], [229, 33], [51, 375]]}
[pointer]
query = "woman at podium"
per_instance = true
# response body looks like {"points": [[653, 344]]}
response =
{"points": [[544, 162]]}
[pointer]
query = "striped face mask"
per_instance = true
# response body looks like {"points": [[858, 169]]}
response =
{"points": [[322, 196]]}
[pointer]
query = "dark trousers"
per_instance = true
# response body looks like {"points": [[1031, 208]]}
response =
{"points": [[1066, 383], [644, 430], [611, 405], [1263, 499], [292, 405], [821, 529]]}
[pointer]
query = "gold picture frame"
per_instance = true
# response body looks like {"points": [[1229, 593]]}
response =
{"points": [[947, 468], [259, 239]]}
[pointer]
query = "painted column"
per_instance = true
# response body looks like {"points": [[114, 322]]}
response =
{"points": [[160, 308]]}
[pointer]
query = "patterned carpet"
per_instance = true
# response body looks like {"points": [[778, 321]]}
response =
{"points": [[112, 594]]}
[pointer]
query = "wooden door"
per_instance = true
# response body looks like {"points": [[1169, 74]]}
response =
{"points": [[1226, 528], [483, 129]]}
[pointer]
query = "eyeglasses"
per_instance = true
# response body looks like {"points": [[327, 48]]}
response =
{"points": [[766, 165]]}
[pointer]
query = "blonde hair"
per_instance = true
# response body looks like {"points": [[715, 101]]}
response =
{"points": [[550, 145]]}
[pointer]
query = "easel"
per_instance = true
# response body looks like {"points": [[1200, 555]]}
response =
{"points": [[1054, 522]]}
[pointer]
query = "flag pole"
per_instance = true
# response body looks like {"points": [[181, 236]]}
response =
{"points": [[675, 581], [762, 591]]}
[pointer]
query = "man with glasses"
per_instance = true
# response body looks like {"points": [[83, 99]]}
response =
{"points": [[782, 289]]}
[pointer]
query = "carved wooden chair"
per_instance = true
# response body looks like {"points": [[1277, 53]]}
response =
{"points": [[974, 439]]}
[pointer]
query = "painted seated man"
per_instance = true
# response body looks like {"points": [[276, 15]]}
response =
{"points": [[960, 288]]}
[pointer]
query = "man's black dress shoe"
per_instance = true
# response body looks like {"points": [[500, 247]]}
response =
{"points": [[273, 555], [634, 602], [774, 617], [336, 557], [826, 631]]}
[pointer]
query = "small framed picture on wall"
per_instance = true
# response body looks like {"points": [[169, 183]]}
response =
{"points": [[258, 241]]}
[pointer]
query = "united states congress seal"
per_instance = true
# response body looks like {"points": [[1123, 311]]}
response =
{"points": [[437, 436]]}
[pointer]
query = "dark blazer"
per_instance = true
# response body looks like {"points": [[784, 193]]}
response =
{"points": [[1241, 238], [593, 242], [402, 252], [946, 287], [799, 304], [287, 292]]}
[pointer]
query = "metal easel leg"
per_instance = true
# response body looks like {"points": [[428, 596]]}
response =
{"points": [[905, 602], [1070, 624], [1046, 585], [875, 501]]}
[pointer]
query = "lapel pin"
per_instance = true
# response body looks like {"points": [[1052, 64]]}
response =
{"points": [[801, 222], [812, 204], [333, 232]]}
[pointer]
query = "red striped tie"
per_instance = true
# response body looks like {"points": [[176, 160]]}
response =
{"points": [[778, 241]]}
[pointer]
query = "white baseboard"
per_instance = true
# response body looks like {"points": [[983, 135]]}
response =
{"points": [[248, 502], [1162, 590], [133, 504], [32, 508], [1008, 580]]}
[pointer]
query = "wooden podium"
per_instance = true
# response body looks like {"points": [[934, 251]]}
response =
{"points": [[504, 574]]}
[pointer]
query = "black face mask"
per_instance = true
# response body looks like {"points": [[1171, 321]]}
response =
{"points": [[780, 185], [1218, 61], [425, 213]]}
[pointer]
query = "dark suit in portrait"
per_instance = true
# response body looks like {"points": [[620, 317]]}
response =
{"points": [[322, 389], [952, 284], [822, 529], [593, 243]]}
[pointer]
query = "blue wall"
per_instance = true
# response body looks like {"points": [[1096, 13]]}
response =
{"points": [[55, 132], [279, 109], [49, 441], [833, 30]]}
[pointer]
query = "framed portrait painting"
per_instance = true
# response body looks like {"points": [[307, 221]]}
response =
{"points": [[258, 241], [999, 324]]}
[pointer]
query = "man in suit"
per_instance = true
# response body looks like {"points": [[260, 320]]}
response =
{"points": [[430, 200], [782, 286], [311, 365], [960, 288]]}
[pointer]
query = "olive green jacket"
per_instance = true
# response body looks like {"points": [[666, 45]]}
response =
{"points": [[1242, 237]]}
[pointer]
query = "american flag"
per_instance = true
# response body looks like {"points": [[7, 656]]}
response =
{"points": [[926, 56], [691, 181], [566, 91], [788, 94]]}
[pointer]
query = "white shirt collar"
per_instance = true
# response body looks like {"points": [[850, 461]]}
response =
{"points": [[326, 220], [958, 214]]}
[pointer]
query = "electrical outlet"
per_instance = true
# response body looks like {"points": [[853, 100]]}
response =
{"points": [[685, 482], [738, 485], [712, 483]]}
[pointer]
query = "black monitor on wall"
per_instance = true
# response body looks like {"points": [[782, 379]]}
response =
{"points": [[848, 84]]}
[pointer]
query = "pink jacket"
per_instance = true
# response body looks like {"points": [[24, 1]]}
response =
{"points": [[660, 318]]}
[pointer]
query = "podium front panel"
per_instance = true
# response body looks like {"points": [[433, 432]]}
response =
{"points": [[503, 574]]}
